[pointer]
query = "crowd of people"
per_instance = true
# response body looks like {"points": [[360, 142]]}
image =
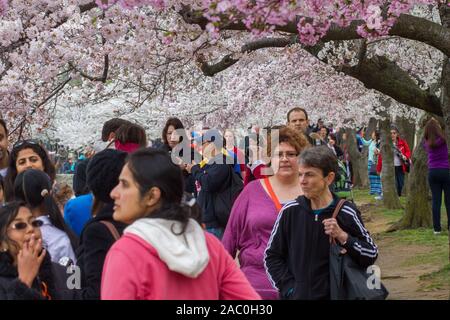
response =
{"points": [[169, 221]]}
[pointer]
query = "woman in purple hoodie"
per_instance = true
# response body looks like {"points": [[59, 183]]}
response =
{"points": [[256, 209], [438, 171]]}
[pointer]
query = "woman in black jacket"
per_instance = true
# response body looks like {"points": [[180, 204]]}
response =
{"points": [[99, 233], [26, 270]]}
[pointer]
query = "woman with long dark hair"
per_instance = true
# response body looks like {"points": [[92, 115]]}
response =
{"points": [[165, 253], [435, 145], [34, 188], [169, 137], [27, 154], [172, 136]]}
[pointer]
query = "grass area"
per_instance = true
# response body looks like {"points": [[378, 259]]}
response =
{"points": [[362, 197], [437, 246], [437, 253]]}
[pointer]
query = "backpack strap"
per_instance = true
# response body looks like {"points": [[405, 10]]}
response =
{"points": [[272, 194], [338, 208], [112, 229]]}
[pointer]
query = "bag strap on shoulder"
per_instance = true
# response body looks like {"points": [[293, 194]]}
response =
{"points": [[272, 194], [111, 229], [338, 208]]}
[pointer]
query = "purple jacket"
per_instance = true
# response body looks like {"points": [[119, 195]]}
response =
{"points": [[438, 156], [248, 231]]}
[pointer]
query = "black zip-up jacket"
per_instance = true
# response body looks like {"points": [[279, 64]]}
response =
{"points": [[297, 255], [53, 274]]}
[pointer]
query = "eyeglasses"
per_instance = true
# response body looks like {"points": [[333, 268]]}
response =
{"points": [[288, 155], [24, 225], [22, 142]]}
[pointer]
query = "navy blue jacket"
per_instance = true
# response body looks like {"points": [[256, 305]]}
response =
{"points": [[212, 179]]}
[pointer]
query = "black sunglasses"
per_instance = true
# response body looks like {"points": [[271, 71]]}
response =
{"points": [[24, 225], [22, 142]]}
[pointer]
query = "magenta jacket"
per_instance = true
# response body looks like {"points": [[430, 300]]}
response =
{"points": [[248, 231]]}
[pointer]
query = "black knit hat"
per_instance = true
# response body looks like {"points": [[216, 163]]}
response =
{"points": [[103, 173]]}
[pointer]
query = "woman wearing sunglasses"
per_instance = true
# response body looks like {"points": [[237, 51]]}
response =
{"points": [[26, 272], [165, 254], [27, 154], [34, 188]]}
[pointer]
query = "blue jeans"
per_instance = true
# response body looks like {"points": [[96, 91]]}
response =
{"points": [[439, 180], [399, 179], [218, 232]]}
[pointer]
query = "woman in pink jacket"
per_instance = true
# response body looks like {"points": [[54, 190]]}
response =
{"points": [[164, 253]]}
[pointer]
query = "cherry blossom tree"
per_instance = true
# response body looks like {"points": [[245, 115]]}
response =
{"points": [[49, 46]]}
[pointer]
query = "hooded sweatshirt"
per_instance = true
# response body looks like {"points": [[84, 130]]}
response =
{"points": [[152, 262]]}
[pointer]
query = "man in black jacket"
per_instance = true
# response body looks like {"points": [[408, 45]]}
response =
{"points": [[297, 255]]}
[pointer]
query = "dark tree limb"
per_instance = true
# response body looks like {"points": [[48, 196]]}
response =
{"points": [[387, 77], [378, 73], [101, 78], [228, 60], [36, 107]]}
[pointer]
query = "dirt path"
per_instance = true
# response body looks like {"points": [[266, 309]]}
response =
{"points": [[401, 280]]}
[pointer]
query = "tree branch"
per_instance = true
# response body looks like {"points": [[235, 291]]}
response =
{"points": [[17, 44], [377, 73], [102, 78], [387, 77], [227, 61], [36, 107], [406, 26]]}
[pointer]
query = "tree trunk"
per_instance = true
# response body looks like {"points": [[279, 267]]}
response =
{"points": [[390, 197], [418, 208], [370, 128], [359, 161], [408, 132]]}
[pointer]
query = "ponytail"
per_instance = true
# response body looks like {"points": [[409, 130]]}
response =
{"points": [[34, 187]]}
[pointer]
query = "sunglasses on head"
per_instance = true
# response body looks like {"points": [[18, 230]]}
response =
{"points": [[24, 225], [22, 142]]}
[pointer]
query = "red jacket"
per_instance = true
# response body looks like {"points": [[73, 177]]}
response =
{"points": [[404, 149]]}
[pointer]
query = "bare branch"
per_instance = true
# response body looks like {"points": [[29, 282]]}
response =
{"points": [[102, 78], [227, 61], [35, 108]]}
